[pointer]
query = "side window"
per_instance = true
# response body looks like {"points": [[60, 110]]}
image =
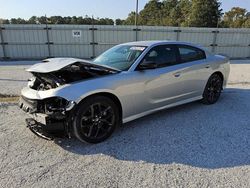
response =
{"points": [[164, 55], [189, 53]]}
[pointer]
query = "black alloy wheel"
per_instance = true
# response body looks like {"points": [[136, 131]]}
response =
{"points": [[96, 119], [213, 89]]}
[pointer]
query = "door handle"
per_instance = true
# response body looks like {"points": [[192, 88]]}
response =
{"points": [[177, 74], [207, 66]]}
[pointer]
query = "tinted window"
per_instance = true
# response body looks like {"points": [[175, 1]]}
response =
{"points": [[162, 56], [189, 53]]}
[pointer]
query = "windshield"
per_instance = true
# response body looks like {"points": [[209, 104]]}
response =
{"points": [[120, 57]]}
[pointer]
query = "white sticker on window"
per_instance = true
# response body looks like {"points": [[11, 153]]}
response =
{"points": [[139, 48]]}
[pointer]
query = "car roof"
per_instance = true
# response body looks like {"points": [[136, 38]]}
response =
{"points": [[158, 42]]}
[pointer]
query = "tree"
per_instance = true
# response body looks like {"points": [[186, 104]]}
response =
{"points": [[89, 21], [237, 17], [169, 12], [42, 20], [119, 22], [194, 13], [17, 21], [184, 7], [80, 21], [33, 20], [151, 14], [247, 22], [130, 19], [204, 13], [67, 19], [105, 21], [175, 12], [4, 21], [56, 20]]}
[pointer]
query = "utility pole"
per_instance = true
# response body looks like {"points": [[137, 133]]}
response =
{"points": [[47, 34], [218, 22], [136, 21], [136, 13]]}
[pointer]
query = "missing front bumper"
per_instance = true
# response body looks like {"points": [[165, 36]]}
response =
{"points": [[48, 132], [38, 130], [49, 118]]}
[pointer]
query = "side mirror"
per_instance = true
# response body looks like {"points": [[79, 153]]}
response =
{"points": [[146, 64]]}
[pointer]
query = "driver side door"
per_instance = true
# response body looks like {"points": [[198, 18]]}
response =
{"points": [[161, 85]]}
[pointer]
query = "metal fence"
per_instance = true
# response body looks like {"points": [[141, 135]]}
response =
{"points": [[86, 41]]}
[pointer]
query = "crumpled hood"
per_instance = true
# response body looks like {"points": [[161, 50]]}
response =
{"points": [[55, 64]]}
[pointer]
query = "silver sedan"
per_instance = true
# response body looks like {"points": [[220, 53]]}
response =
{"points": [[89, 99]]}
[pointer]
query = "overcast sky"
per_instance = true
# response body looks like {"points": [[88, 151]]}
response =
{"points": [[98, 8]]}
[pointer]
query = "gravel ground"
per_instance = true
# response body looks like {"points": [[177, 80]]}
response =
{"points": [[193, 145], [13, 76]]}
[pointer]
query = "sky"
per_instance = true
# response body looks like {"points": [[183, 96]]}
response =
{"points": [[98, 8]]}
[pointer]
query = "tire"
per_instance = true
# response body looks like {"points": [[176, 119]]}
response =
{"points": [[96, 119], [213, 89]]}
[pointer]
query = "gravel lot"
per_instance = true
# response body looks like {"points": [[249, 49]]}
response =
{"points": [[193, 145]]}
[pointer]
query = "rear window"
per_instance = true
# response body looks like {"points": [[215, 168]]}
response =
{"points": [[189, 53]]}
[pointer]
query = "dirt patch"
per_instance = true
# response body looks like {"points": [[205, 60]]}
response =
{"points": [[9, 98]]}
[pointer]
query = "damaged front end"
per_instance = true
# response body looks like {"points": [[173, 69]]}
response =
{"points": [[52, 114], [49, 117]]}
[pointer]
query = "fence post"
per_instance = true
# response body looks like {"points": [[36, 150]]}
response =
{"points": [[214, 44], [249, 51], [178, 31], [136, 33], [93, 43], [2, 42], [48, 39]]}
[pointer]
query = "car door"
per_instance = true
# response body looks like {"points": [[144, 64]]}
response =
{"points": [[193, 70], [161, 85]]}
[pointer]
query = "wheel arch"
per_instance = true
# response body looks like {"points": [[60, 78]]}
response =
{"points": [[221, 76], [105, 94]]}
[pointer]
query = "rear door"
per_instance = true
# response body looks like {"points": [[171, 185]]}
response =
{"points": [[194, 70]]}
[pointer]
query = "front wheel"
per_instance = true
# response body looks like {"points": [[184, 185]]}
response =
{"points": [[213, 89], [96, 119]]}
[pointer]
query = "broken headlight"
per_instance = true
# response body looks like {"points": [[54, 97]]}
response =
{"points": [[58, 104]]}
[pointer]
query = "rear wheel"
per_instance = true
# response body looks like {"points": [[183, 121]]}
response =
{"points": [[213, 89], [96, 119]]}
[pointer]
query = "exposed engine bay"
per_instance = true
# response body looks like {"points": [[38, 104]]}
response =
{"points": [[71, 73]]}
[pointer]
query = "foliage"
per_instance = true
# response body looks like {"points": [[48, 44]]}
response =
{"points": [[185, 13], [236, 18], [119, 22], [4, 21], [151, 14], [194, 13], [59, 20], [205, 13], [130, 19]]}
